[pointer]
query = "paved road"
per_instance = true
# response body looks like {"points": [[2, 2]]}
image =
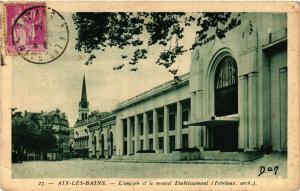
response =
{"points": [[78, 168]]}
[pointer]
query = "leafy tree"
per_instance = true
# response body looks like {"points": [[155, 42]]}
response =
{"points": [[29, 134], [23, 132], [46, 139], [100, 31]]}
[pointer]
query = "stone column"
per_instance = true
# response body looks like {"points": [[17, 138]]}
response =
{"points": [[199, 110], [263, 99], [90, 144], [243, 112], [146, 131], [198, 129], [166, 129], [253, 137], [120, 127], [97, 143], [155, 130], [178, 125], [137, 133], [283, 108], [192, 130], [129, 137]]}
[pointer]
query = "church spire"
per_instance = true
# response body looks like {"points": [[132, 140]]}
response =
{"points": [[83, 102]]}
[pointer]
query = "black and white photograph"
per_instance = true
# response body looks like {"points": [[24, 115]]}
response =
{"points": [[157, 99]]}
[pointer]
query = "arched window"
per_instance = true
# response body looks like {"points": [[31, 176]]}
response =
{"points": [[226, 87], [102, 146], [111, 143]]}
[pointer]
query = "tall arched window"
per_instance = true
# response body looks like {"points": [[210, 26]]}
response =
{"points": [[111, 144], [102, 146], [226, 87]]}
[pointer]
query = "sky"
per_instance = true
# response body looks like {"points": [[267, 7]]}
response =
{"points": [[45, 87]]}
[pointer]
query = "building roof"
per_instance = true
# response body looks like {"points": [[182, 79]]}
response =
{"points": [[52, 117], [95, 116], [154, 92]]}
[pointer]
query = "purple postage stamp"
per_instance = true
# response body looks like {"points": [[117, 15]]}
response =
{"points": [[25, 27]]}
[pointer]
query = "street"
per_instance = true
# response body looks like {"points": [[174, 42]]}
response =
{"points": [[274, 166]]}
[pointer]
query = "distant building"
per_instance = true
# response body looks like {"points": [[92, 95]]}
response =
{"points": [[59, 123], [81, 136], [93, 131], [101, 136], [71, 142]]}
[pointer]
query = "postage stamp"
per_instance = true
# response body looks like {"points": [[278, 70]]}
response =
{"points": [[25, 29], [150, 96], [27, 33]]}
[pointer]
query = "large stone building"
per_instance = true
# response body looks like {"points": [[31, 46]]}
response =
{"points": [[232, 104]]}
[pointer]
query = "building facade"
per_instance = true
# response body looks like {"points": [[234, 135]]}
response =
{"points": [[58, 122], [81, 134], [154, 120], [93, 131], [234, 100], [101, 136]]}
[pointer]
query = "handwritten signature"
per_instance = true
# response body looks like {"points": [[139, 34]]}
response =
{"points": [[268, 169]]}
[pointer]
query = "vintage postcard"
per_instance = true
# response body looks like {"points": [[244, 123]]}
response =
{"points": [[149, 95]]}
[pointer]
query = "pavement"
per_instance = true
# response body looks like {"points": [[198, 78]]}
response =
{"points": [[270, 166]]}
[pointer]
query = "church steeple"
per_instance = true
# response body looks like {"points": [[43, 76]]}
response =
{"points": [[83, 104]]}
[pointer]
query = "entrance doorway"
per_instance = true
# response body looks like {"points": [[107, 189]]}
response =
{"points": [[225, 138]]}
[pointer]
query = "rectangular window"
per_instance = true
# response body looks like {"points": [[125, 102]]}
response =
{"points": [[150, 128], [133, 147], [185, 141], [141, 128], [160, 143], [185, 117], [160, 124], [151, 144], [172, 143], [142, 145], [133, 130], [172, 122], [125, 128], [125, 147]]}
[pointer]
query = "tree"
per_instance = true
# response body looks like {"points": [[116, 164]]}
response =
{"points": [[29, 134], [23, 132], [100, 31]]}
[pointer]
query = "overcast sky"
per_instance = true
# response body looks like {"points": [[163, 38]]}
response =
{"points": [[58, 84]]}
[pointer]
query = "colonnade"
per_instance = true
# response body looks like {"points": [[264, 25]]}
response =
{"points": [[135, 140]]}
